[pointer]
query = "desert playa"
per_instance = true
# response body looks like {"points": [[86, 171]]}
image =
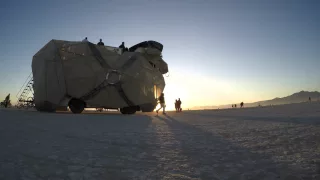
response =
{"points": [[278, 142]]}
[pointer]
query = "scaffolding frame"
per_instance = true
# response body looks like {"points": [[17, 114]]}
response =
{"points": [[26, 94]]}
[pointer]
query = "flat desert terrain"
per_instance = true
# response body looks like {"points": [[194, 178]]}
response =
{"points": [[279, 142]]}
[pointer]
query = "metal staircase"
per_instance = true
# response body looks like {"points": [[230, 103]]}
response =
{"points": [[26, 94]]}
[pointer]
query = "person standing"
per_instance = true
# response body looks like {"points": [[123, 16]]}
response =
{"points": [[122, 45], [179, 105], [85, 40], [100, 43], [176, 105]]}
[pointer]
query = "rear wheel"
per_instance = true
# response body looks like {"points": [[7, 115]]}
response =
{"points": [[128, 110], [76, 106]]}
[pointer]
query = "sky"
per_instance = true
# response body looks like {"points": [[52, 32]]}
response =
{"points": [[218, 52]]}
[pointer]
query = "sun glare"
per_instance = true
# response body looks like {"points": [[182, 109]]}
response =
{"points": [[197, 90]]}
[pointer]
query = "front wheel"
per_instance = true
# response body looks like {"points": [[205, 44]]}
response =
{"points": [[76, 106], [128, 110]]}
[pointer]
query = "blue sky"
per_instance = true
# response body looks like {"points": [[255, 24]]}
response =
{"points": [[218, 52]]}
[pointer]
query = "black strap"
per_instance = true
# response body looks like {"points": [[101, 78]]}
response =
{"points": [[104, 84], [98, 55], [130, 61], [118, 86], [95, 91]]}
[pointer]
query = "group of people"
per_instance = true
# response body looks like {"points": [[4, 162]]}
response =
{"points": [[235, 105], [163, 104], [100, 43], [177, 105]]}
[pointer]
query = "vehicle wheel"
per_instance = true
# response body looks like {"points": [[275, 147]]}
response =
{"points": [[44, 107], [76, 106], [128, 110], [123, 111]]}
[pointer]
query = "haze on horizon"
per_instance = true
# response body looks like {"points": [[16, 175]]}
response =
{"points": [[218, 52]]}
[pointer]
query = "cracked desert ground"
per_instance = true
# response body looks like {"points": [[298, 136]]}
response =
{"points": [[279, 142]]}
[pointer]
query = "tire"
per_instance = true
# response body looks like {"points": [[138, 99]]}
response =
{"points": [[76, 106], [123, 111], [45, 107], [128, 110]]}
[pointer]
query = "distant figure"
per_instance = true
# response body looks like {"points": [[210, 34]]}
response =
{"points": [[122, 45], [179, 105], [85, 40], [241, 104], [235, 106], [100, 43], [162, 103], [310, 99], [232, 105], [176, 105]]}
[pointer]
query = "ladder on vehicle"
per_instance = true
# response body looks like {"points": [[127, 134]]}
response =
{"points": [[26, 94]]}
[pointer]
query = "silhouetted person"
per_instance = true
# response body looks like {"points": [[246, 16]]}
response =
{"points": [[310, 99], [176, 105], [232, 105], [85, 40], [122, 45], [179, 105], [100, 43], [235, 106], [162, 103], [241, 104]]}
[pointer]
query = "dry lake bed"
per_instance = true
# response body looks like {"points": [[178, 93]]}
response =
{"points": [[279, 142]]}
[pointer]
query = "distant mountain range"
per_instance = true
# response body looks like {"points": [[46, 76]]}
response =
{"points": [[298, 97]]}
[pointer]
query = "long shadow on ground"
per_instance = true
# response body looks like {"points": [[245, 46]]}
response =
{"points": [[217, 158], [44, 146]]}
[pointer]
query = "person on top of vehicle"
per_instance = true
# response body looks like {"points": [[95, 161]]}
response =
{"points": [[100, 43], [122, 45]]}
